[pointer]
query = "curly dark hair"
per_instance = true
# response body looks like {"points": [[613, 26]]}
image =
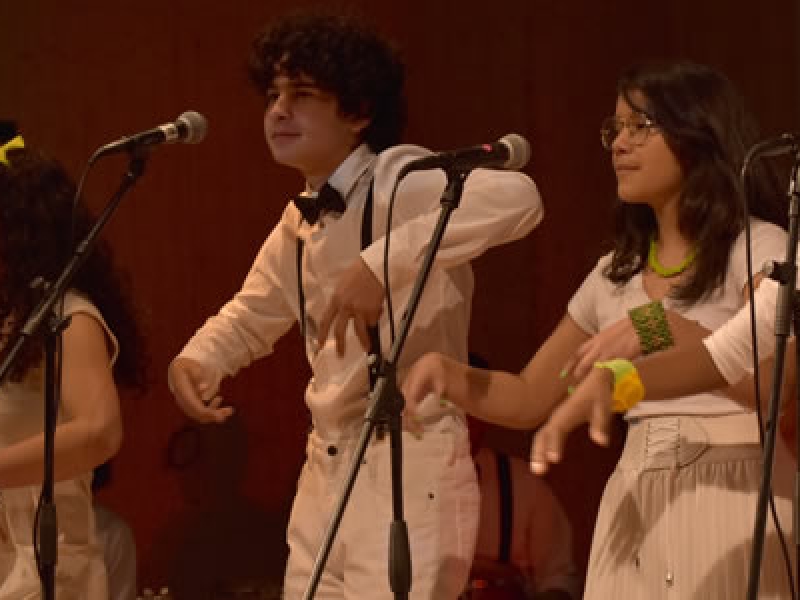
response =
{"points": [[36, 218], [8, 130], [342, 56], [706, 125]]}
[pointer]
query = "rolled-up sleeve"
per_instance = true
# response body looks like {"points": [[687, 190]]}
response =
{"points": [[731, 346], [496, 207]]}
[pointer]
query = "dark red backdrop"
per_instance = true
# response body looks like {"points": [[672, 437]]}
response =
{"points": [[79, 74]]}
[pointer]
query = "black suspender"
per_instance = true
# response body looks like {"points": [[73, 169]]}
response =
{"points": [[374, 332], [301, 297], [506, 506], [366, 240]]}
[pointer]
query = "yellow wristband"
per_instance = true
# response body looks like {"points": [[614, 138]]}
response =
{"points": [[628, 387]]}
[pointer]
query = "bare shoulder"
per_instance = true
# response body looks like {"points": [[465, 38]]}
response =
{"points": [[85, 336]]}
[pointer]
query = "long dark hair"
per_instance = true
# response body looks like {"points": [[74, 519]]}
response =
{"points": [[36, 218], [706, 125]]}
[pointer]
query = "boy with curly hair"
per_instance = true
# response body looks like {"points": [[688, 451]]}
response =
{"points": [[334, 113]]}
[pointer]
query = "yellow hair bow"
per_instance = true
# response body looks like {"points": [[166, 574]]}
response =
{"points": [[12, 144]]}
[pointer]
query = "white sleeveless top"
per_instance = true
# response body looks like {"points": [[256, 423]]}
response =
{"points": [[80, 571]]}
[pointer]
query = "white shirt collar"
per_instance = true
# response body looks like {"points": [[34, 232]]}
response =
{"points": [[349, 172]]}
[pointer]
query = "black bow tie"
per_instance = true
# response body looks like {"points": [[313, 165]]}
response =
{"points": [[328, 199]]}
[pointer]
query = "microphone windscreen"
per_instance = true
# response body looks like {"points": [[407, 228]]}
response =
{"points": [[519, 151], [196, 126]]}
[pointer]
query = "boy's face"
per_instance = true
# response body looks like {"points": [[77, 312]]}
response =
{"points": [[305, 129]]}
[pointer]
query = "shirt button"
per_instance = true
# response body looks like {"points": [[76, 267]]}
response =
{"points": [[332, 451]]}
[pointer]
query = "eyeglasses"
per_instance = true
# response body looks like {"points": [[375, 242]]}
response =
{"points": [[638, 125]]}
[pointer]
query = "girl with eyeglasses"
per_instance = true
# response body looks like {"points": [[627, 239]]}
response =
{"points": [[677, 514]]}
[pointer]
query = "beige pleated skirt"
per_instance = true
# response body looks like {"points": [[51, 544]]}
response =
{"points": [[678, 514]]}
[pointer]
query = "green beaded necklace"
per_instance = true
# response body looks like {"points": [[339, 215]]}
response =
{"points": [[661, 270]]}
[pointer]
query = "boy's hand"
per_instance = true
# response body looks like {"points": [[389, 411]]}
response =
{"points": [[196, 391], [358, 296]]}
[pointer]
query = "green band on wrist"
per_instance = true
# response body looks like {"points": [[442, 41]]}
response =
{"points": [[628, 387]]}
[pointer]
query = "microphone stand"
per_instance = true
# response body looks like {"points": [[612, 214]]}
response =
{"points": [[45, 319], [386, 408], [786, 274]]}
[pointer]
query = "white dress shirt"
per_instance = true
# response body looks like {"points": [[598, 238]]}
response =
{"points": [[496, 207]]}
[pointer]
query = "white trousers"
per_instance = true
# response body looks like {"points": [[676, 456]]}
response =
{"points": [[441, 506]]}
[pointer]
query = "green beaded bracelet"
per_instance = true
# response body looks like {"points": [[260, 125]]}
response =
{"points": [[650, 323]]}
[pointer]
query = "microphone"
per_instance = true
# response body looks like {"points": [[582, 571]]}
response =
{"points": [[509, 152], [782, 144], [189, 128]]}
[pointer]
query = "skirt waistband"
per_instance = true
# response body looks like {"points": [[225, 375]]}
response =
{"points": [[676, 441]]}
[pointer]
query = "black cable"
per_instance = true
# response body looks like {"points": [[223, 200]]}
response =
{"points": [[387, 236], [756, 369]]}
